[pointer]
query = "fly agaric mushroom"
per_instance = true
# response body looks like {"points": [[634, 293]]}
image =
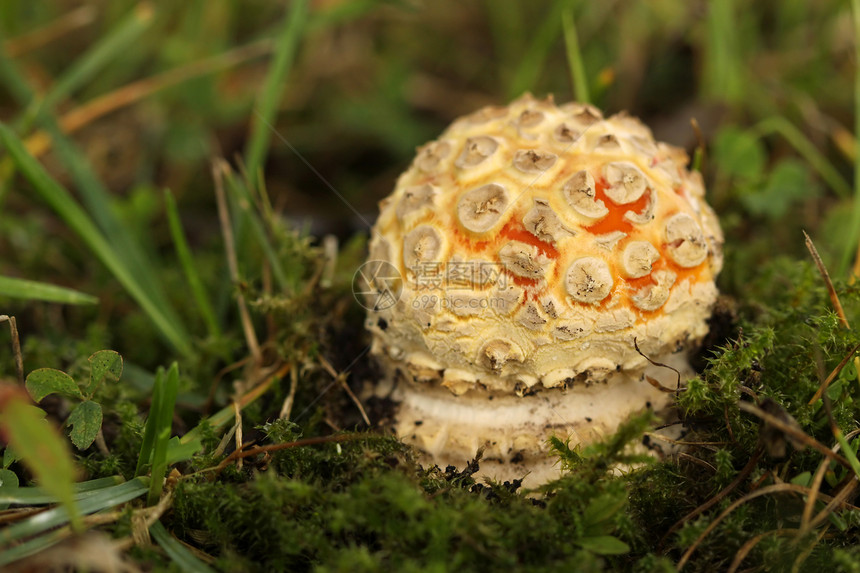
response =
{"points": [[535, 245]]}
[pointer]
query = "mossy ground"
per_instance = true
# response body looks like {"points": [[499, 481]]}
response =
{"points": [[771, 87]]}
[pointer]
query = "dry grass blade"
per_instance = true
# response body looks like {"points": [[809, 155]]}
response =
{"points": [[744, 473], [794, 432], [40, 142], [778, 488], [840, 499], [834, 298], [815, 487], [16, 346], [653, 382], [287, 407], [68, 22], [256, 450], [752, 542], [238, 413], [804, 555], [220, 169], [695, 460], [833, 375]]}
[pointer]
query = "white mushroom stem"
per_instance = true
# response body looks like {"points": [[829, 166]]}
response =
{"points": [[448, 429]]}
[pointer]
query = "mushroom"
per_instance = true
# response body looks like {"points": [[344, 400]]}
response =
{"points": [[557, 241]]}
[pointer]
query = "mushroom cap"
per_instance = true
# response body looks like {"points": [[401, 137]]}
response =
{"points": [[535, 243]]}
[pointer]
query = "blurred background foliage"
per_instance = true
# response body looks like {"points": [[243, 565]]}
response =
{"points": [[769, 83], [317, 107]]}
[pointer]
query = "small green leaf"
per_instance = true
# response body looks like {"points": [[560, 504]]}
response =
{"points": [[838, 521], [105, 365], [178, 451], [9, 457], [604, 545], [45, 381], [86, 421], [802, 479], [603, 508], [8, 481]]}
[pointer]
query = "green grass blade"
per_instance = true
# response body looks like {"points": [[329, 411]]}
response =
{"points": [[574, 57], [851, 248], [13, 80], [507, 28], [108, 48], [95, 196], [164, 418], [97, 200], [273, 87], [179, 555], [723, 79], [149, 431], [848, 452], [104, 499], [241, 198], [37, 495], [530, 66], [59, 199], [807, 150], [33, 290], [186, 259], [30, 547]]}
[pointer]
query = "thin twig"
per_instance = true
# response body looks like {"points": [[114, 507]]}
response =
{"points": [[814, 488], [661, 365], [16, 346], [803, 555], [838, 500], [778, 488], [330, 260], [695, 460], [256, 450], [834, 298], [238, 413], [744, 473], [287, 407], [341, 378], [806, 519], [213, 388], [752, 542]]}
